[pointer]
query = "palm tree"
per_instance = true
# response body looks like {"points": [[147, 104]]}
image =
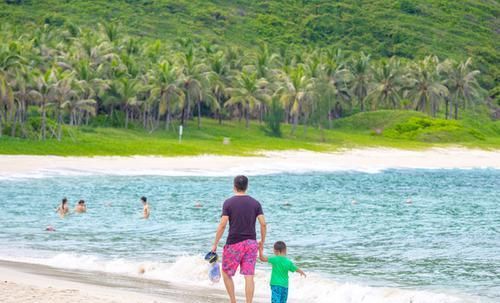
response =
{"points": [[21, 96], [361, 77], [60, 93], [299, 89], [247, 93], [123, 91], [164, 81], [6, 100], [424, 86], [219, 78], [191, 82], [264, 61], [41, 94], [462, 84], [387, 84]]}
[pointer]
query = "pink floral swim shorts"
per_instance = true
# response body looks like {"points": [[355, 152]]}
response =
{"points": [[242, 254]]}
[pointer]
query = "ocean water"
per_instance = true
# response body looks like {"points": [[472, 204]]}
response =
{"points": [[355, 233]]}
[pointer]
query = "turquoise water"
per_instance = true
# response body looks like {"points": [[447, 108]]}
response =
{"points": [[446, 240]]}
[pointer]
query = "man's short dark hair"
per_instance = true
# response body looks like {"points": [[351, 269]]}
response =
{"points": [[280, 246], [241, 183], [143, 199], [64, 200]]}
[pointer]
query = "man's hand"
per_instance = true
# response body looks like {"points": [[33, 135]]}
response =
{"points": [[214, 248]]}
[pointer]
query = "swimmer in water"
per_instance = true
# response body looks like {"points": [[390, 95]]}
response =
{"points": [[409, 201], [81, 207], [50, 228], [63, 209], [198, 205], [145, 210], [353, 202]]}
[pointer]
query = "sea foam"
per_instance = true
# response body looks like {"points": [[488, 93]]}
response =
{"points": [[192, 271]]}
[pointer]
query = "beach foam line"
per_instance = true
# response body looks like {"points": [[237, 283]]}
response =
{"points": [[372, 160], [192, 271]]}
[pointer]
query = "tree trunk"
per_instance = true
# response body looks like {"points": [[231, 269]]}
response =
{"points": [[247, 114], [219, 111], [59, 125], [126, 118], [456, 109], [14, 124], [44, 118], [446, 111], [182, 116], [1, 130], [158, 117], [167, 116], [240, 110], [295, 122], [199, 113]]}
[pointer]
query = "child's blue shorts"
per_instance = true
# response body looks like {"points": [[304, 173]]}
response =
{"points": [[279, 294]]}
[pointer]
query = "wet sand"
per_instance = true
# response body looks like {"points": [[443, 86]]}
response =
{"points": [[30, 283]]}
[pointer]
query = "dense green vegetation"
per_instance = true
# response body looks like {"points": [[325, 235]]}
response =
{"points": [[64, 81], [455, 29]]}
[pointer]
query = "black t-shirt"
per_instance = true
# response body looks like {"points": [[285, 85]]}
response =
{"points": [[242, 212]]}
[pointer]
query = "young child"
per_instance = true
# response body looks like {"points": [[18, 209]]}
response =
{"points": [[279, 276]]}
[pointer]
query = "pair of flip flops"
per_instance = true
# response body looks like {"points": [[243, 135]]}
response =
{"points": [[211, 257]]}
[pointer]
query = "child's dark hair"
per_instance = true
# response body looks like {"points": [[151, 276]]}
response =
{"points": [[143, 199], [280, 246]]}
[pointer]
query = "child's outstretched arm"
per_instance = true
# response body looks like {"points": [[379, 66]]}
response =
{"points": [[303, 274], [261, 254]]}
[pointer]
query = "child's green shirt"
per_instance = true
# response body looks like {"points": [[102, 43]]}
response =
{"points": [[281, 266]]}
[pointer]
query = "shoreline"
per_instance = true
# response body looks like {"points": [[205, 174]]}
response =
{"points": [[32, 283], [362, 160]]}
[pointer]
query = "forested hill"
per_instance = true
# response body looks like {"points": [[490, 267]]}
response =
{"points": [[406, 28]]}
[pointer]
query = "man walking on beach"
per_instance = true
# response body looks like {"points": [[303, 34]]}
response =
{"points": [[241, 249]]}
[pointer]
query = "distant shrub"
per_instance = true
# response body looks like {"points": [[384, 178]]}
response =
{"points": [[54, 20], [409, 7], [15, 1], [273, 118], [433, 130]]}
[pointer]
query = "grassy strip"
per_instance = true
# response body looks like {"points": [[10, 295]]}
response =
{"points": [[398, 130]]}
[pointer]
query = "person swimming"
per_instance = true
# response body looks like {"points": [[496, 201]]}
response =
{"points": [[145, 210], [63, 209], [81, 207]]}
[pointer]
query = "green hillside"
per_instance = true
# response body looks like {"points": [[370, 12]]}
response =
{"points": [[447, 28]]}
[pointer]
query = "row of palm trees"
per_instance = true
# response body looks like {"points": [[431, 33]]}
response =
{"points": [[69, 75]]}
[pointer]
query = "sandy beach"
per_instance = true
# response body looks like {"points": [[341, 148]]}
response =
{"points": [[31, 283], [365, 160]]}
